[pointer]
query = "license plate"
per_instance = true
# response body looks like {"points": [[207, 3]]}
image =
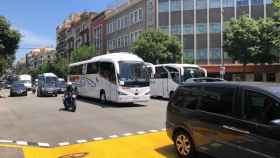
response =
{"points": [[135, 97]]}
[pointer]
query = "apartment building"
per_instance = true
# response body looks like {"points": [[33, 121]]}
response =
{"points": [[98, 32], [74, 33], [125, 23], [39, 56]]}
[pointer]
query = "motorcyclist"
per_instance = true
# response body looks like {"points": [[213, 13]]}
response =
{"points": [[68, 92]]}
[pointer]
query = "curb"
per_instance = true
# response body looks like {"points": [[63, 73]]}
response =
{"points": [[80, 141]]}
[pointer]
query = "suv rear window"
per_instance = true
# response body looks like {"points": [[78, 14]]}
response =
{"points": [[217, 100], [187, 97]]}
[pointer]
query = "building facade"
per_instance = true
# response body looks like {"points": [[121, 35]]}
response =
{"points": [[74, 33], [39, 56], [198, 24], [125, 23], [98, 32]]}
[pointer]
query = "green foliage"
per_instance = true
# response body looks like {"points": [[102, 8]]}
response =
{"points": [[157, 47], [58, 68], [269, 42], [83, 53], [241, 38], [9, 41]]}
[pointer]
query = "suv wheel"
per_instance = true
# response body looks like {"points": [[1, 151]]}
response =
{"points": [[184, 145]]}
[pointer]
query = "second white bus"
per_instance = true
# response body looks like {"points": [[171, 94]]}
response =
{"points": [[116, 77], [167, 77]]}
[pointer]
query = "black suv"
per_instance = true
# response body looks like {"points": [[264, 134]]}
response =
{"points": [[226, 119]]}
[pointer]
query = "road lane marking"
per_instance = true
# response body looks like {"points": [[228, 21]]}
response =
{"points": [[6, 141], [141, 132], [153, 131], [98, 138], [113, 136], [44, 144], [127, 134], [81, 141], [21, 143], [63, 143]]}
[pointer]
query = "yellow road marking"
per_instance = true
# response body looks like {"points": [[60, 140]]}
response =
{"points": [[152, 145]]}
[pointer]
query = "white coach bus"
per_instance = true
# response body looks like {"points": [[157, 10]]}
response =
{"points": [[116, 77], [167, 77]]}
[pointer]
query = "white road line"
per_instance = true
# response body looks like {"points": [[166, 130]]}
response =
{"points": [[113, 136], [81, 141], [141, 132], [63, 143], [127, 134], [153, 131], [44, 144], [6, 141], [22, 143], [98, 138]]}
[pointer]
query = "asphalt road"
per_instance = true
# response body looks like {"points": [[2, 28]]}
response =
{"points": [[42, 120]]}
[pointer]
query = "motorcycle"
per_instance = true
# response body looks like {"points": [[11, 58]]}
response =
{"points": [[34, 90], [69, 101]]}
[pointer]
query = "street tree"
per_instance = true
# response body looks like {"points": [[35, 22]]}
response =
{"points": [[269, 43], [157, 47], [9, 42], [83, 53], [240, 40]]}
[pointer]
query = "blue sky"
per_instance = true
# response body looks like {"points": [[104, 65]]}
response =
{"points": [[37, 19]]}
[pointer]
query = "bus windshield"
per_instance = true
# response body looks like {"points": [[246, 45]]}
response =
{"points": [[133, 74], [51, 81], [192, 72]]}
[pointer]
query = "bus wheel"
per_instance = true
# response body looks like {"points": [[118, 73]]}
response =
{"points": [[171, 95], [103, 97]]}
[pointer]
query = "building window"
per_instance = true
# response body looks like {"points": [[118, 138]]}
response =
{"points": [[175, 29], [201, 28], [175, 5], [163, 6], [140, 14], [131, 18], [215, 27], [135, 16], [215, 3], [188, 4], [228, 3], [188, 29], [257, 2], [201, 4], [242, 2], [201, 54], [188, 56], [215, 53], [164, 29], [268, 1]]}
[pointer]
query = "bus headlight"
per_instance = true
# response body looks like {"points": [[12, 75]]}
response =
{"points": [[121, 93]]}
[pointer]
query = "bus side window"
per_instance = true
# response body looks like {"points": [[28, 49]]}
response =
{"points": [[161, 73], [107, 71], [92, 68]]}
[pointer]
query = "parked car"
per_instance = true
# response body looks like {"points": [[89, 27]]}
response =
{"points": [[226, 120], [18, 89]]}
